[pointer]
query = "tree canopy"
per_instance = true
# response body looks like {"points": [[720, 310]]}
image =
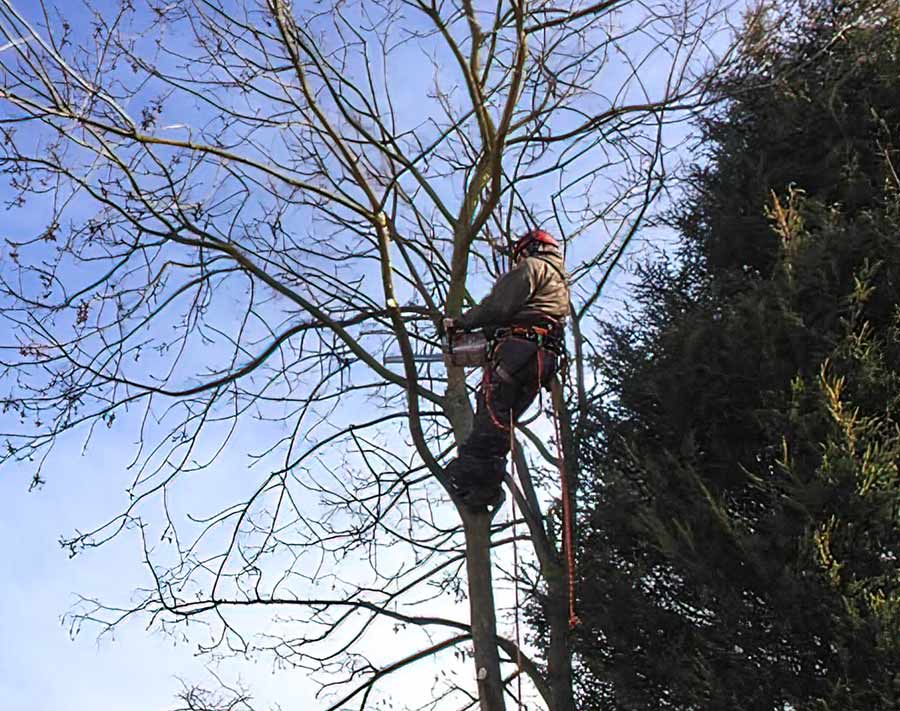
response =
{"points": [[225, 213]]}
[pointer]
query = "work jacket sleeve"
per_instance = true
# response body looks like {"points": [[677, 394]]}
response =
{"points": [[506, 299]]}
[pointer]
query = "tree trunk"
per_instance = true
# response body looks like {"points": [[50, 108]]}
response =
{"points": [[559, 662], [481, 606], [477, 527], [559, 655]]}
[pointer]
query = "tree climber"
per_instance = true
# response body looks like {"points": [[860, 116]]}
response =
{"points": [[524, 319]]}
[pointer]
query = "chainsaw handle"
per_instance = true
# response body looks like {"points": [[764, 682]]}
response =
{"points": [[452, 325]]}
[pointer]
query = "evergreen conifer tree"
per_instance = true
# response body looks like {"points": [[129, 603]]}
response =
{"points": [[740, 542]]}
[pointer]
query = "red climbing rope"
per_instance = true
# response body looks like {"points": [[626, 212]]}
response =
{"points": [[567, 502], [568, 514], [512, 459]]}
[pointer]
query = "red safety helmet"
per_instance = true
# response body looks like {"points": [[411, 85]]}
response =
{"points": [[531, 241]]}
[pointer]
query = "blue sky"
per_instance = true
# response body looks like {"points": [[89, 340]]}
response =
{"points": [[41, 666]]}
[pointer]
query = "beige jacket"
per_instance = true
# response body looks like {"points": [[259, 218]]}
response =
{"points": [[534, 292]]}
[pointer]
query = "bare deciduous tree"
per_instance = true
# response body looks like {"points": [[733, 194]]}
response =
{"points": [[247, 204]]}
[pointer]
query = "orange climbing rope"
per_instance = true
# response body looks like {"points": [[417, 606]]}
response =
{"points": [[512, 459], [568, 514]]}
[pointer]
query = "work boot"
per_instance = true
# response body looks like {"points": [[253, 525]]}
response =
{"points": [[482, 498], [477, 482]]}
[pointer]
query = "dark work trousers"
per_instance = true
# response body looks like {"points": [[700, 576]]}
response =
{"points": [[517, 371]]}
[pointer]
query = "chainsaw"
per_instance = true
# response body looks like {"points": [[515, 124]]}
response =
{"points": [[460, 347]]}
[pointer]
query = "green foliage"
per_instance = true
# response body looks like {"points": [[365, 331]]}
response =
{"points": [[740, 546]]}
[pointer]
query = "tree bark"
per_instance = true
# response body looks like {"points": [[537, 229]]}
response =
{"points": [[559, 662], [481, 607], [559, 657]]}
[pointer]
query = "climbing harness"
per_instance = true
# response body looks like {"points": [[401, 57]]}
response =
{"points": [[473, 348], [545, 338]]}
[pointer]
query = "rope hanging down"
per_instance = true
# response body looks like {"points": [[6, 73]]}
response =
{"points": [[512, 459], [568, 516], [568, 513]]}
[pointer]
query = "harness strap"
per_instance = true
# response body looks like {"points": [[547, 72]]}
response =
{"points": [[550, 339], [489, 406], [540, 373]]}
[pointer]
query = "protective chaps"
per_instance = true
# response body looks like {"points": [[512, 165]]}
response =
{"points": [[512, 380]]}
